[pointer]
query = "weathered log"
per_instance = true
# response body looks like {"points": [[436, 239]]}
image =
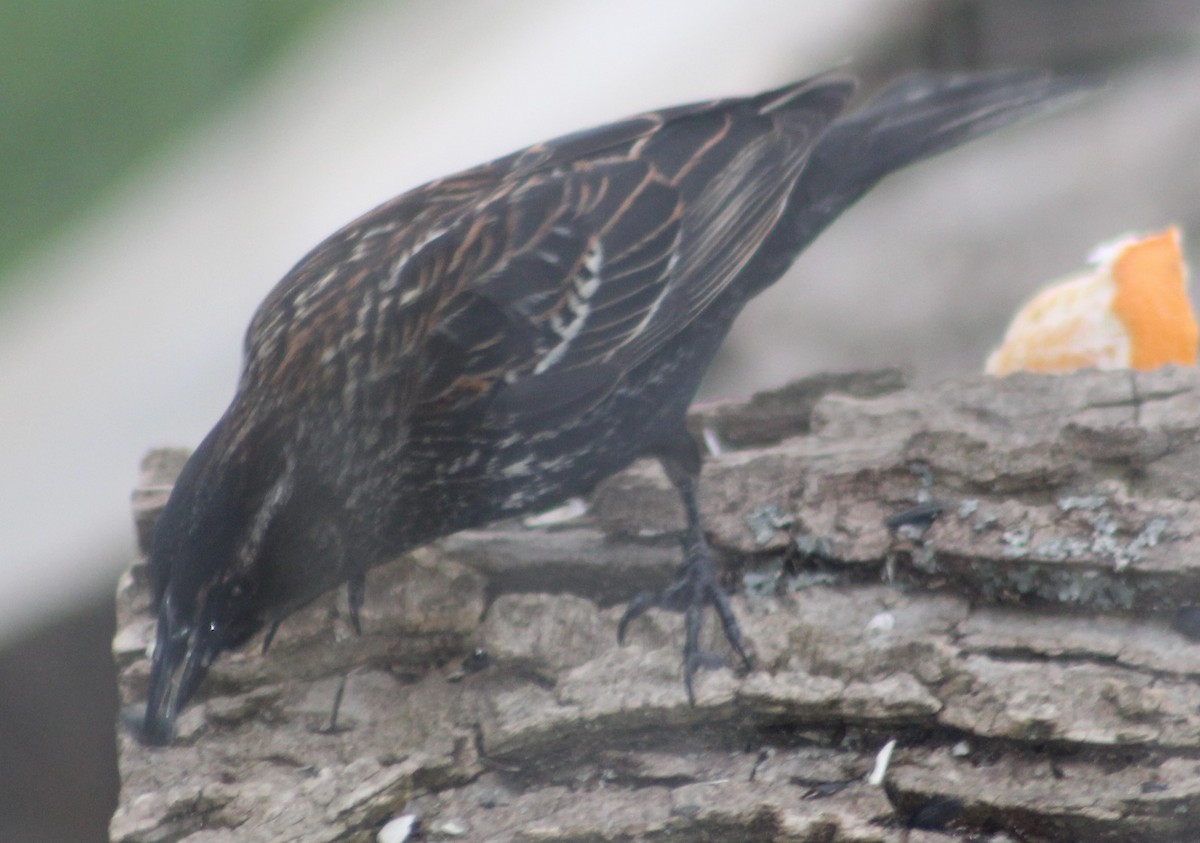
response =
{"points": [[1018, 634]]}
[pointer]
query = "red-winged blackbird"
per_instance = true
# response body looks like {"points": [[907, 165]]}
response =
{"points": [[501, 339]]}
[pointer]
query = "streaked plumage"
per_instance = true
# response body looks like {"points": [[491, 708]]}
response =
{"points": [[501, 339]]}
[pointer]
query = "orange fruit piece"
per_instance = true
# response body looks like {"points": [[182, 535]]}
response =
{"points": [[1130, 310]]}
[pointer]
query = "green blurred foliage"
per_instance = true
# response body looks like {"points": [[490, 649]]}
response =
{"points": [[87, 87]]}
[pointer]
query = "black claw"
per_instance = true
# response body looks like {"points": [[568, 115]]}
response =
{"points": [[689, 670], [270, 636], [729, 623], [692, 662], [693, 621], [694, 590], [637, 607], [356, 591]]}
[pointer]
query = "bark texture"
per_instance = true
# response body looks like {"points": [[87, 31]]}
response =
{"points": [[997, 574]]}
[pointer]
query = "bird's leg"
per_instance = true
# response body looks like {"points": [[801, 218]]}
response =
{"points": [[696, 586], [332, 727], [356, 592]]}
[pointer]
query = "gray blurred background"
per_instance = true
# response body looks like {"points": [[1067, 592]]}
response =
{"points": [[164, 164]]}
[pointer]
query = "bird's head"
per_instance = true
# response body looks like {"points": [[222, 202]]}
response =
{"points": [[191, 634], [212, 567]]}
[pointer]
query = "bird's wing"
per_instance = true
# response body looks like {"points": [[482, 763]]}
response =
{"points": [[558, 275], [540, 279], [595, 264]]}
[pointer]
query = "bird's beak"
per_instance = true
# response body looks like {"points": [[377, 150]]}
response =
{"points": [[182, 655]]}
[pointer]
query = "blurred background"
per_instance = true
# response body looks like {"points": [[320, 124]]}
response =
{"points": [[164, 164]]}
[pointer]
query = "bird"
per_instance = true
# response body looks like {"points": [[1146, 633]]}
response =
{"points": [[500, 340]]}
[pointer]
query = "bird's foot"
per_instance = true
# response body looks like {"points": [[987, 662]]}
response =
{"points": [[695, 589]]}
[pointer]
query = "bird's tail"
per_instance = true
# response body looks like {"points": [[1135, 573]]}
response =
{"points": [[917, 117], [927, 113]]}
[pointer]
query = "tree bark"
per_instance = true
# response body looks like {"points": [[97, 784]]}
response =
{"points": [[997, 574]]}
